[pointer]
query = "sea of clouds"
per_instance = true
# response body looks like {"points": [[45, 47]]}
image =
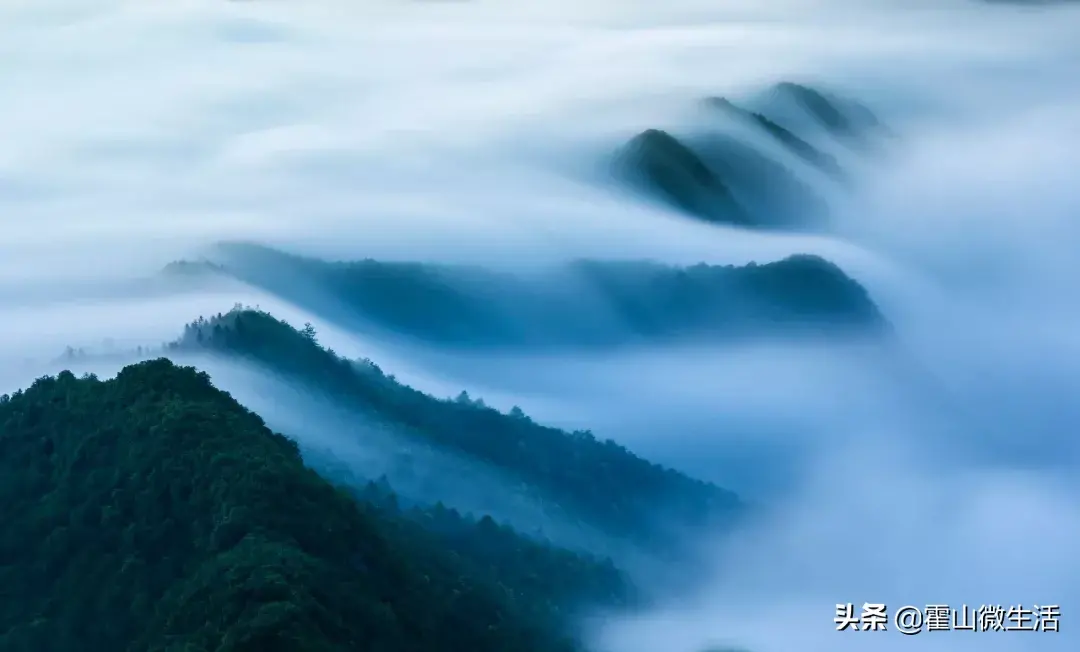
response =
{"points": [[135, 133]]}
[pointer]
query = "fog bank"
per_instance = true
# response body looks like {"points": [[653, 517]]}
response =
{"points": [[137, 133]]}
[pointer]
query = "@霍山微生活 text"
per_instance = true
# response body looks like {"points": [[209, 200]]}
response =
{"points": [[916, 619]]}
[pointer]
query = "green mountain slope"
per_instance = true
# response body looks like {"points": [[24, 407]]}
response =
{"points": [[152, 512], [603, 483]]}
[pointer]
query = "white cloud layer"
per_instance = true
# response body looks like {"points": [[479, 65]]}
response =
{"points": [[135, 133]]}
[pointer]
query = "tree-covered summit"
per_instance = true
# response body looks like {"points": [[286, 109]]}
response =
{"points": [[152, 512]]}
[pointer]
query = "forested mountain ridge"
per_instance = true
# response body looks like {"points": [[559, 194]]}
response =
{"points": [[550, 581], [605, 484], [583, 305], [152, 512]]}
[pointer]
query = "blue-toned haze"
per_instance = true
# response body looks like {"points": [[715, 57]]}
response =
{"points": [[939, 468]]}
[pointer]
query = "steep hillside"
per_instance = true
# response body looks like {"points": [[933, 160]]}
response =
{"points": [[151, 512], [600, 481]]}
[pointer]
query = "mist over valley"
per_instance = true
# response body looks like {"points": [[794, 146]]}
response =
{"points": [[578, 327]]}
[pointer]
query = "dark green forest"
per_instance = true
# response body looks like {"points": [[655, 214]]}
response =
{"points": [[601, 481], [152, 512]]}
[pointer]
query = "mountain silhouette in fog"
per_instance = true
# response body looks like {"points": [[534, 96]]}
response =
{"points": [[801, 148], [843, 117], [580, 305], [725, 179]]}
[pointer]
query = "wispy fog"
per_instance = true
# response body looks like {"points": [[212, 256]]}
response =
{"points": [[939, 469]]}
